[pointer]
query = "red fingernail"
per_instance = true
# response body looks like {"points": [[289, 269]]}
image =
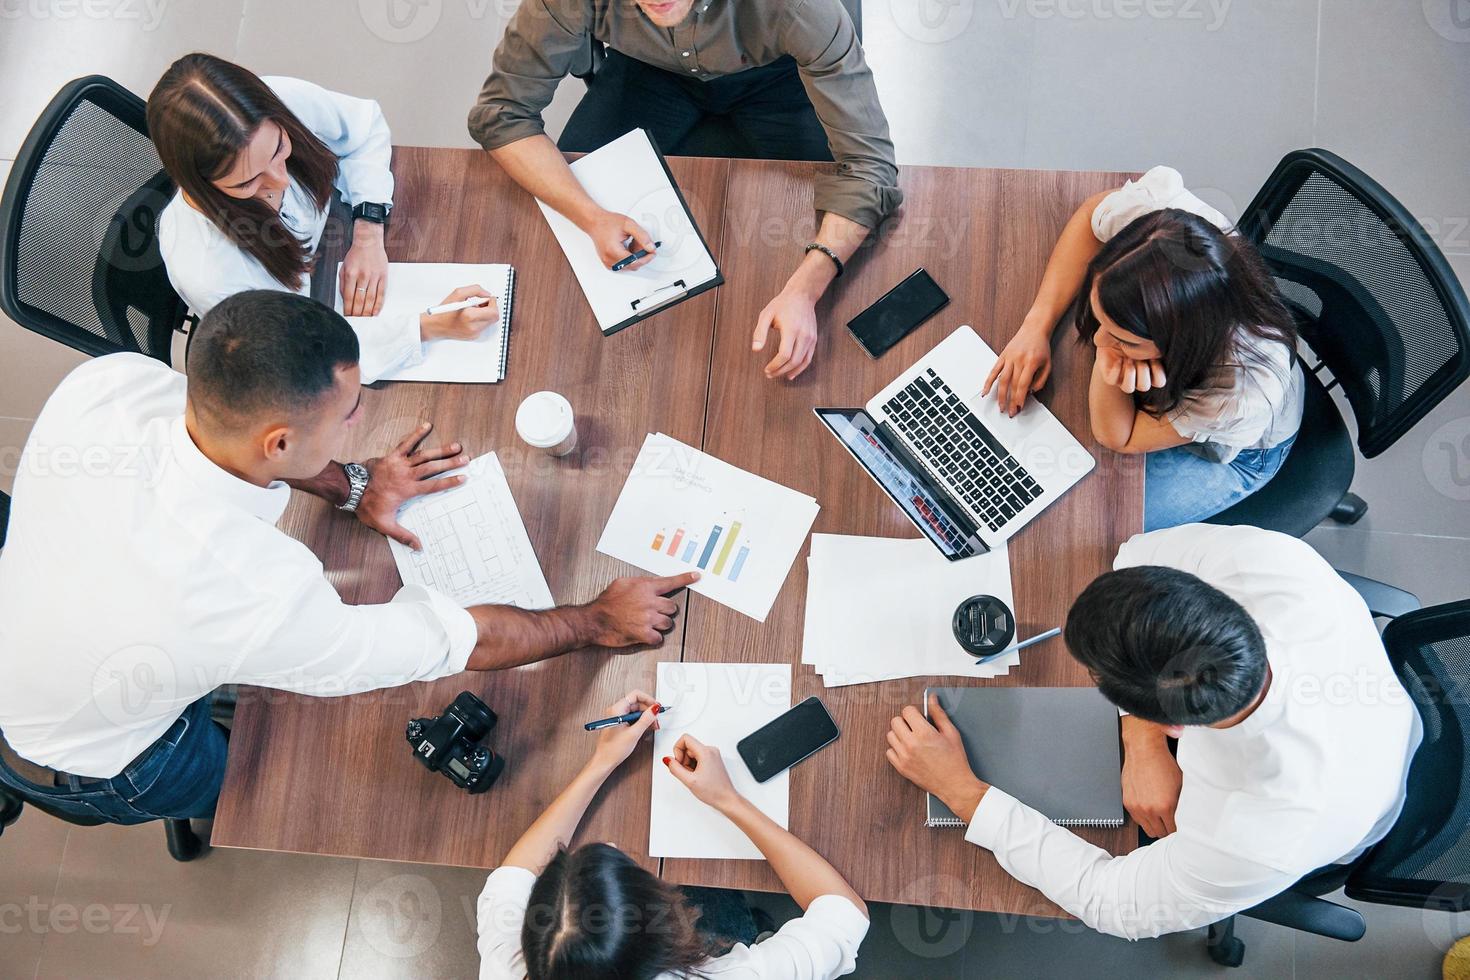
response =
{"points": [[657, 708], [667, 760]]}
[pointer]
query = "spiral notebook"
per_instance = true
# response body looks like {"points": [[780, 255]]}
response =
{"points": [[1055, 749], [415, 286]]}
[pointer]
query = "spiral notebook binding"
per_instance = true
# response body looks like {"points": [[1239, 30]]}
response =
{"points": [[1108, 823], [509, 295]]}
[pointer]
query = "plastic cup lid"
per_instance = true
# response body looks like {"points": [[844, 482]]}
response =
{"points": [[544, 419]]}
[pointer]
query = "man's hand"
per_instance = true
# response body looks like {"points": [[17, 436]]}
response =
{"points": [[701, 768], [610, 232], [932, 757], [615, 744], [1127, 374], [364, 273], [795, 316], [403, 474], [637, 611], [466, 324], [1151, 778], [1023, 367]]}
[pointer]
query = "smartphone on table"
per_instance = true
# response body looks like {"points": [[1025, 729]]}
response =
{"points": [[783, 743], [897, 313]]}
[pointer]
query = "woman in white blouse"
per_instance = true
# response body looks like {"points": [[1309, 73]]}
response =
{"points": [[548, 913], [1195, 351], [256, 162]]}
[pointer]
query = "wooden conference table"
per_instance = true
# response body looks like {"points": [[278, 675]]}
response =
{"points": [[336, 776]]}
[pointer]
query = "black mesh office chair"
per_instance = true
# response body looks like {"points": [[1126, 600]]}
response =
{"points": [[1424, 862], [79, 258], [1378, 305], [183, 844], [714, 137]]}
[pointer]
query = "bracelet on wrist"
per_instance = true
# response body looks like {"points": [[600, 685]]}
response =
{"points": [[819, 247]]}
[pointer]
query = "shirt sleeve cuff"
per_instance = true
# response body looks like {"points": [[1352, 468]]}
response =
{"points": [[387, 343], [459, 627], [856, 199], [492, 134], [990, 816]]}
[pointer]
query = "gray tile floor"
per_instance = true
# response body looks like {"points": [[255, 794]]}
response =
{"points": [[1218, 88]]}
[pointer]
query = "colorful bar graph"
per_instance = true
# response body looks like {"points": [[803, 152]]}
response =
{"points": [[719, 568], [658, 541], [689, 547], [739, 564], [709, 548], [674, 544]]}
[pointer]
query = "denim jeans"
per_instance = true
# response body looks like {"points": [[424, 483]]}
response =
{"points": [[178, 776], [1180, 487], [767, 108]]}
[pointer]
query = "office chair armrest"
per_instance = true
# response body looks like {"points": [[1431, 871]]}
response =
{"points": [[1307, 913], [1383, 600]]}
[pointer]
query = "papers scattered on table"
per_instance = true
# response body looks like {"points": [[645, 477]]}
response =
{"points": [[718, 704], [882, 608], [682, 509], [476, 549], [415, 286]]}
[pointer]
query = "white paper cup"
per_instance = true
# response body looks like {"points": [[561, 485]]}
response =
{"points": [[545, 422]]}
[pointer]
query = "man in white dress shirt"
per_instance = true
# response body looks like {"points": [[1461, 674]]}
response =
{"points": [[143, 568], [1294, 734]]}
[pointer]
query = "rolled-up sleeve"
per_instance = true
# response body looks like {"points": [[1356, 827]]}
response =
{"points": [[352, 128], [314, 643], [538, 50], [821, 37]]}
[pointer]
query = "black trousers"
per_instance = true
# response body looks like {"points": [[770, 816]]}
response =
{"points": [[760, 112]]}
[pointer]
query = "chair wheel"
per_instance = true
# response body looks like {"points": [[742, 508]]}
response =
{"points": [[1349, 510], [183, 843], [1229, 953]]}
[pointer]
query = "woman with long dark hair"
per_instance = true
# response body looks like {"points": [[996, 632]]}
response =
{"points": [[256, 161], [552, 914], [1195, 351]]}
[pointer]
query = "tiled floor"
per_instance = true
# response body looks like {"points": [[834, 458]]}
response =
{"points": [[1219, 88]]}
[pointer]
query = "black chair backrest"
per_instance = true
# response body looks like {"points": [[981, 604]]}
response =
{"points": [[1424, 861], [1380, 305], [79, 259]]}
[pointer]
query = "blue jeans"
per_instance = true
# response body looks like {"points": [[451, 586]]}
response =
{"points": [[178, 776], [1182, 488]]}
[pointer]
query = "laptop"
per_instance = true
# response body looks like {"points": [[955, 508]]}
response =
{"points": [[965, 474]]}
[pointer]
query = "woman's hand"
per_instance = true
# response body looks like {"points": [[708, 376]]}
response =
{"points": [[615, 744], [700, 767], [1022, 367], [364, 272], [464, 324], [1127, 374]]}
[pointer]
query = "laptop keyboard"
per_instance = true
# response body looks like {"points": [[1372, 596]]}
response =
{"points": [[951, 440]]}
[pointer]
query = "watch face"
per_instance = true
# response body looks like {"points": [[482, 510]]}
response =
{"points": [[356, 471], [371, 212]]}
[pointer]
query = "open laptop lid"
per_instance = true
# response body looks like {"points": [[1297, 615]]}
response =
{"points": [[933, 511]]}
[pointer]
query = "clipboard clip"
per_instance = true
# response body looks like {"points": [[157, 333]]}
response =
{"points": [[662, 296]]}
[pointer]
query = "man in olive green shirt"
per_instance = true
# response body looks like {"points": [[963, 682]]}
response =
{"points": [[788, 75]]}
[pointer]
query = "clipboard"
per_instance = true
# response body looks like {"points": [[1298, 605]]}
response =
{"points": [[631, 176]]}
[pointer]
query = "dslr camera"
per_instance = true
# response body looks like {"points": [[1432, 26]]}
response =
{"points": [[450, 744]]}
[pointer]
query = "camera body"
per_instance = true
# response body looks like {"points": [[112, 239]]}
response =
{"points": [[450, 744]]}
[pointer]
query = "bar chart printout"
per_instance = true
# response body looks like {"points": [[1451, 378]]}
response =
{"points": [[684, 510]]}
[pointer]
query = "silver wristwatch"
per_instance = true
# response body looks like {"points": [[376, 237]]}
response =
{"points": [[357, 481]]}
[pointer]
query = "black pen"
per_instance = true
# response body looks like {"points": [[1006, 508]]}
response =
{"points": [[621, 264], [627, 719]]}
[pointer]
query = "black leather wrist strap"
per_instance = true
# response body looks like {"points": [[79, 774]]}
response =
{"points": [[818, 246]]}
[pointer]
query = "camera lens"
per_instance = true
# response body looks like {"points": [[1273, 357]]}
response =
{"points": [[478, 718]]}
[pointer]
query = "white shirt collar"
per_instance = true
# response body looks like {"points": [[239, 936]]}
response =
{"points": [[266, 503]]}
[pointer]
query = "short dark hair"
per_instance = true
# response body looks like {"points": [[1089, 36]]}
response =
{"points": [[265, 350], [595, 912], [1167, 646]]}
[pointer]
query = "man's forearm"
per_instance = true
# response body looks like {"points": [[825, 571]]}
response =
{"points": [[817, 270], [510, 637], [330, 484], [538, 166]]}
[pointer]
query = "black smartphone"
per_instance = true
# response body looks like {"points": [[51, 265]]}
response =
{"points": [[897, 313], [787, 740]]}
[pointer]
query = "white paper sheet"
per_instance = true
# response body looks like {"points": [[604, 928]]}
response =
{"points": [[415, 286], [682, 509], [718, 704], [626, 176], [476, 549], [881, 608]]}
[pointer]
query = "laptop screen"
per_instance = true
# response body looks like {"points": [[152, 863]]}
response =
{"points": [[927, 504]]}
